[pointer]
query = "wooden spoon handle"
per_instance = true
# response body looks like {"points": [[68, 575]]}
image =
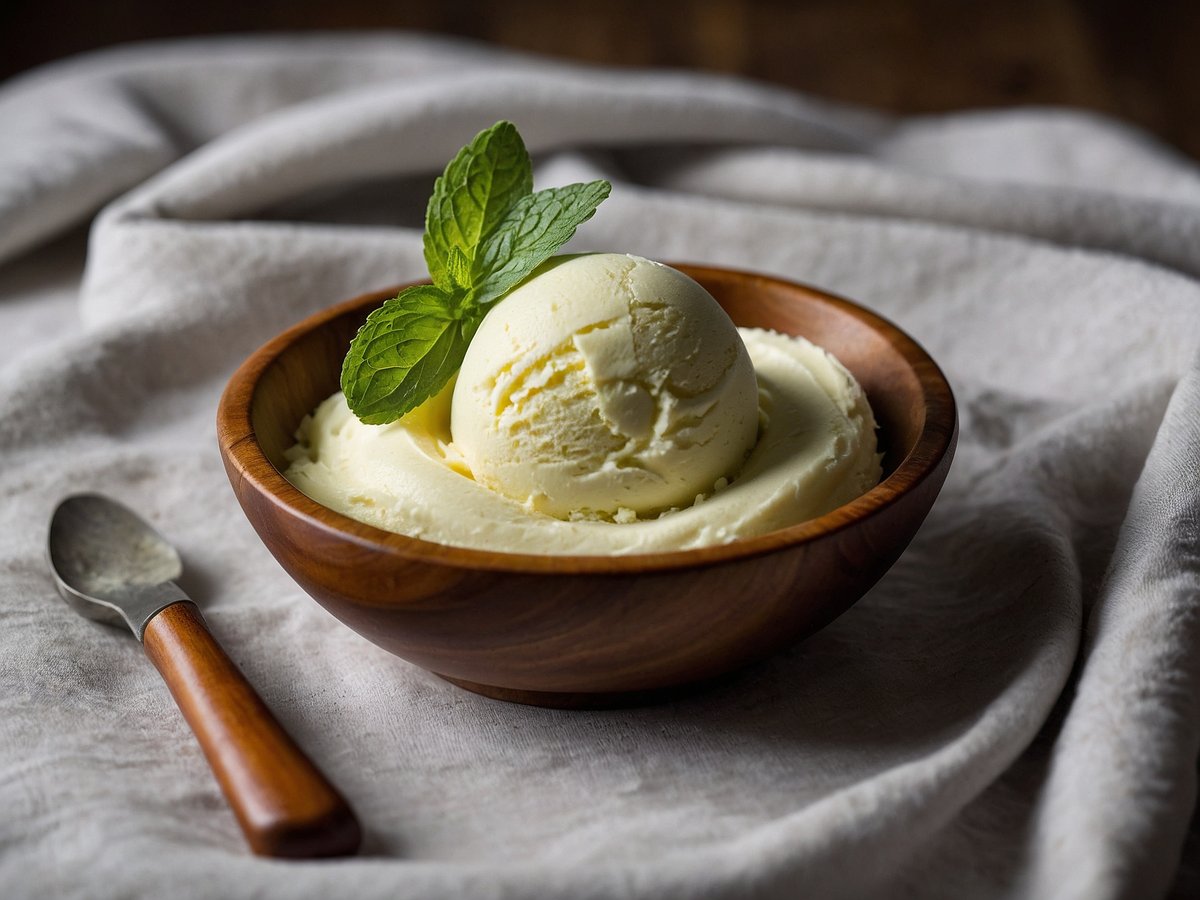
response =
{"points": [[285, 806]]}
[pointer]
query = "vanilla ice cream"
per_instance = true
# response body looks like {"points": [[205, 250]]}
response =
{"points": [[605, 386], [811, 444]]}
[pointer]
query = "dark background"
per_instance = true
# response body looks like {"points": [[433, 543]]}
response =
{"points": [[1137, 61]]}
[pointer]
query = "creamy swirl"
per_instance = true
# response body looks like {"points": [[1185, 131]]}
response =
{"points": [[815, 451]]}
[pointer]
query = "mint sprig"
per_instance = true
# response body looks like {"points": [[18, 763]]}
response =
{"points": [[485, 232]]}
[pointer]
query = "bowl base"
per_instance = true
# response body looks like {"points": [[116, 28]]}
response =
{"points": [[579, 700]]}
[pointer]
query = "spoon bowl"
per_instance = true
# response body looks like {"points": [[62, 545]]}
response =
{"points": [[109, 564]]}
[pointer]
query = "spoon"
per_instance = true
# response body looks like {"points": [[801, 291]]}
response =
{"points": [[113, 567]]}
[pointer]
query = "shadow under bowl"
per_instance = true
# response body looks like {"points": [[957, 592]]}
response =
{"points": [[572, 631]]}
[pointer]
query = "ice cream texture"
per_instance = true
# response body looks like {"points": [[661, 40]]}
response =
{"points": [[606, 406], [606, 385]]}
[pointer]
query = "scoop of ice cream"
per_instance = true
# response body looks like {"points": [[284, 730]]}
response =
{"points": [[604, 386]]}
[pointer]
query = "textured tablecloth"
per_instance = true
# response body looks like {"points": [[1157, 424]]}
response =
{"points": [[1011, 712]]}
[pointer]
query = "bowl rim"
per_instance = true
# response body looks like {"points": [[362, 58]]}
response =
{"points": [[246, 459]]}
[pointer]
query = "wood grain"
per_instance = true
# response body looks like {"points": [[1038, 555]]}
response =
{"points": [[1120, 57], [283, 803], [555, 629]]}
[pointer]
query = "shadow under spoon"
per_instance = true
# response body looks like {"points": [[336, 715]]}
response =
{"points": [[113, 567]]}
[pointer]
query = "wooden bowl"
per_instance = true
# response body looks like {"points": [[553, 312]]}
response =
{"points": [[594, 630]]}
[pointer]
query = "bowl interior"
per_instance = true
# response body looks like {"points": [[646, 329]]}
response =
{"points": [[883, 359]]}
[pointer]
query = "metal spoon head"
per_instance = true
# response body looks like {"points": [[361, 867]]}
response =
{"points": [[109, 564]]}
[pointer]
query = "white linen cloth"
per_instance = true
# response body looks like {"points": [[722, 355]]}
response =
{"points": [[1011, 712]]}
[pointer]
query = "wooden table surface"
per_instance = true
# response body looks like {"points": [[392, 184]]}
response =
{"points": [[1130, 59]]}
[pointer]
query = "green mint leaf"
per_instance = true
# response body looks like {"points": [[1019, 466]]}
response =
{"points": [[535, 227], [475, 193], [405, 353], [458, 266]]}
